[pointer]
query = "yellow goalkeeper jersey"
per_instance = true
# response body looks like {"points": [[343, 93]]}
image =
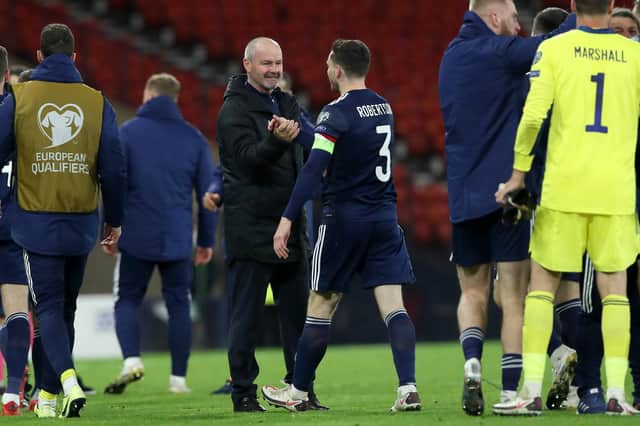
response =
{"points": [[590, 78]]}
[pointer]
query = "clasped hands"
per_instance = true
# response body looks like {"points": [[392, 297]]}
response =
{"points": [[283, 129]]}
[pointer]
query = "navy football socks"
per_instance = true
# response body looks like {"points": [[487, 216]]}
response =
{"points": [[569, 313], [17, 349], [511, 371], [555, 341], [590, 352], [402, 337], [311, 349], [472, 341]]}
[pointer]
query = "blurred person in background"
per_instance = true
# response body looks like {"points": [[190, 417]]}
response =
{"points": [[625, 23], [482, 87], [58, 232], [15, 71], [14, 304], [260, 164], [167, 160]]}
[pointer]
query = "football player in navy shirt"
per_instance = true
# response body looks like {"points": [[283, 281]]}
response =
{"points": [[359, 232]]}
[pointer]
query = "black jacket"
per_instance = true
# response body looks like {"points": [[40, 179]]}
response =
{"points": [[259, 172]]}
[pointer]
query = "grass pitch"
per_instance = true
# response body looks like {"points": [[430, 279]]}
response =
{"points": [[357, 382]]}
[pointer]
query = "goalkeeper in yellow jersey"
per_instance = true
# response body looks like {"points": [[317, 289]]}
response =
{"points": [[591, 77]]}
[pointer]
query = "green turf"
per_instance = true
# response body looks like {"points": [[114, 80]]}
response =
{"points": [[357, 382]]}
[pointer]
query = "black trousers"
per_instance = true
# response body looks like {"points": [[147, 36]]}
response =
{"points": [[248, 287]]}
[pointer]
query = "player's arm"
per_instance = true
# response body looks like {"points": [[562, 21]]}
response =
{"points": [[212, 199], [112, 175], [207, 220], [519, 52], [536, 108], [306, 136], [311, 175], [330, 127], [7, 140], [112, 171], [309, 179]]}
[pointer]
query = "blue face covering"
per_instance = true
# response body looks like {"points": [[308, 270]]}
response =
{"points": [[636, 38]]}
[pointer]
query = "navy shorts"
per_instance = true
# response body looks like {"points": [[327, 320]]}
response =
{"points": [[374, 251], [487, 240], [575, 277], [11, 264]]}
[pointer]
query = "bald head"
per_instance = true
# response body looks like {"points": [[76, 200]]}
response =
{"points": [[263, 63], [500, 16], [259, 43]]}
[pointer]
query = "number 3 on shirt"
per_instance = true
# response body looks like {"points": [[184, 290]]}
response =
{"points": [[597, 126], [382, 174], [8, 169]]}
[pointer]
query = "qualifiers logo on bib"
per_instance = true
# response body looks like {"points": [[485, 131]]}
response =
{"points": [[60, 124]]}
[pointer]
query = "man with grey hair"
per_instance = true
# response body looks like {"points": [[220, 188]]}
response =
{"points": [[260, 163]]}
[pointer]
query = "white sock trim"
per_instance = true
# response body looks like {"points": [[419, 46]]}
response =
{"points": [[10, 397], [298, 394], [132, 362], [407, 388], [177, 380]]}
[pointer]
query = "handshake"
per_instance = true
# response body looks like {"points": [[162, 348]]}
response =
{"points": [[283, 129]]}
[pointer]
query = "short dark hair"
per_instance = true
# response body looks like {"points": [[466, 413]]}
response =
{"points": [[4, 61], [352, 55], [16, 69], [592, 7], [548, 20], [57, 39], [25, 75], [622, 12]]}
